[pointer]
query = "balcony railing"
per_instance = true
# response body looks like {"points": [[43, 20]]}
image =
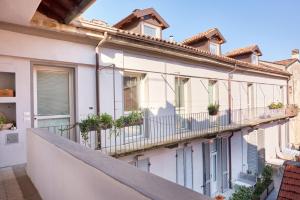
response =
{"points": [[157, 131]]}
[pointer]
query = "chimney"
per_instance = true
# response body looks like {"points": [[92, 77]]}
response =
{"points": [[171, 38], [295, 53]]}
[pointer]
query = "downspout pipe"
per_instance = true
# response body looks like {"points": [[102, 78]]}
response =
{"points": [[229, 160], [97, 49], [229, 92]]}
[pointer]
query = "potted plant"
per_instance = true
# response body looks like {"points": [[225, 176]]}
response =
{"points": [[219, 197], [213, 109], [4, 124], [106, 121], [242, 193], [260, 191], [274, 105], [135, 118], [267, 178]]}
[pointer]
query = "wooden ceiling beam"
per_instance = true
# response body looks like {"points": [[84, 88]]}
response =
{"points": [[55, 8]]}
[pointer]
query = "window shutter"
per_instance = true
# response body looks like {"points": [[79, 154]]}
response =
{"points": [[261, 150], [188, 157], [144, 165], [53, 93], [252, 152], [179, 167], [206, 168]]}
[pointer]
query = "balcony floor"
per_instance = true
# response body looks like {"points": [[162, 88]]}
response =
{"points": [[16, 185]]}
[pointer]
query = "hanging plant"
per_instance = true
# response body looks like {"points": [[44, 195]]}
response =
{"points": [[275, 105], [213, 109]]}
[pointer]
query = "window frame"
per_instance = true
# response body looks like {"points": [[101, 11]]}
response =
{"points": [[139, 77], [254, 59], [157, 30], [215, 92], [216, 45]]}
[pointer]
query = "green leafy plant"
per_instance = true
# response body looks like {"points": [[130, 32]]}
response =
{"points": [[3, 120], [134, 118], [267, 174], [242, 193], [106, 121], [213, 109], [276, 105], [258, 190]]}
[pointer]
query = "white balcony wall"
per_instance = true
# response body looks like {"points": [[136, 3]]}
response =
{"points": [[18, 53]]}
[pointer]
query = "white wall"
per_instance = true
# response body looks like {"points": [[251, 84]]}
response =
{"points": [[12, 154], [163, 163], [58, 175]]}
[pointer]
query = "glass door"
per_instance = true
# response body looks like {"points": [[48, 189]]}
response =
{"points": [[53, 97]]}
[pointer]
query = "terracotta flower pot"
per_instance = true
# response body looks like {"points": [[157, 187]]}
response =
{"points": [[219, 197]]}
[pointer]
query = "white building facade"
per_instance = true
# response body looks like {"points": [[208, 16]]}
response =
{"points": [[51, 69]]}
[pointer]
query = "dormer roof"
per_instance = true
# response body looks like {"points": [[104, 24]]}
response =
{"points": [[245, 50], [209, 34], [140, 14]]}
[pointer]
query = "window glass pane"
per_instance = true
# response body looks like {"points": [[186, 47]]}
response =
{"points": [[53, 93], [62, 122], [213, 48], [214, 146], [254, 59], [214, 175], [149, 31], [212, 92], [130, 91], [179, 92]]}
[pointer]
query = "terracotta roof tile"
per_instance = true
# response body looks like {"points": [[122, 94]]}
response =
{"points": [[138, 13], [244, 50], [290, 184], [203, 35], [286, 62], [206, 53]]}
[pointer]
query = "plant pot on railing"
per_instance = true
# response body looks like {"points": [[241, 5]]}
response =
{"points": [[213, 109], [274, 106], [219, 197]]}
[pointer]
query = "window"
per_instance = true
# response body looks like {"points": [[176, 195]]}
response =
{"points": [[180, 92], [214, 48], [131, 87], [254, 59], [149, 30], [142, 164], [184, 167], [213, 92]]}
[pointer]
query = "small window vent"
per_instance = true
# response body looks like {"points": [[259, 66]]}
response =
{"points": [[12, 138]]}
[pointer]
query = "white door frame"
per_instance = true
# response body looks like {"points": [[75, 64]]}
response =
{"points": [[71, 93], [213, 180]]}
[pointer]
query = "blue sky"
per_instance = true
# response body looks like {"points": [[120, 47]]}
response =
{"points": [[272, 24]]}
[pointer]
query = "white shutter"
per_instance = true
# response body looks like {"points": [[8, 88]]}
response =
{"points": [[252, 152], [180, 167], [143, 165], [188, 157], [52, 93], [206, 168]]}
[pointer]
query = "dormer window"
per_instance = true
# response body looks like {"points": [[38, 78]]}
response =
{"points": [[214, 48], [145, 22], [150, 30], [254, 59], [209, 41]]}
